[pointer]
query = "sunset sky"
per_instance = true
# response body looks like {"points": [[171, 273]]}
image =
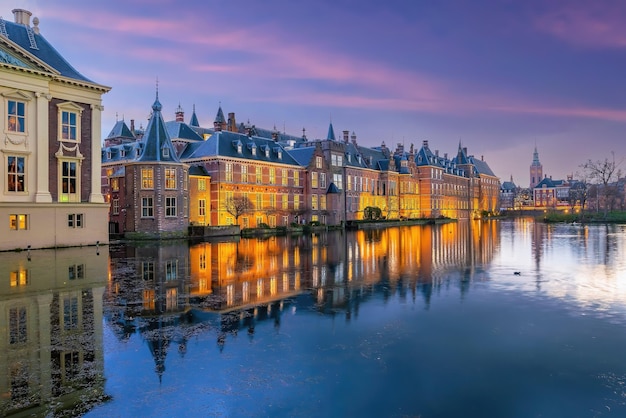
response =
{"points": [[498, 75]]}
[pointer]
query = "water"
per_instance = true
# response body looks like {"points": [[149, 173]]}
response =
{"points": [[485, 319]]}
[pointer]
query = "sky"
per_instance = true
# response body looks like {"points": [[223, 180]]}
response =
{"points": [[498, 76]]}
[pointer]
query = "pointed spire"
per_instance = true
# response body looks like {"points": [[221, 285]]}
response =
{"points": [[331, 132], [219, 124], [158, 145], [194, 118]]}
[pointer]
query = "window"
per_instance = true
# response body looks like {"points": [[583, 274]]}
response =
{"points": [[272, 201], [115, 184], [272, 176], [18, 221], [69, 181], [75, 220], [19, 278], [338, 180], [202, 207], [285, 201], [70, 312], [296, 202], [314, 179], [229, 172], [69, 125], [16, 115], [147, 207], [147, 270], [318, 162], [165, 151], [18, 330], [336, 160], [170, 178], [296, 178], [244, 173], [16, 174], [171, 268], [323, 180], [259, 175], [76, 271], [314, 202], [170, 207], [116, 206], [259, 201], [323, 202], [147, 178], [285, 177], [185, 180]]}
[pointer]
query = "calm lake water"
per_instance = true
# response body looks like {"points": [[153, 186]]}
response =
{"points": [[469, 319]]}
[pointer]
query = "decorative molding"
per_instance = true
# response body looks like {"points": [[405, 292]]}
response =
{"points": [[62, 147], [97, 107], [22, 139], [47, 96]]}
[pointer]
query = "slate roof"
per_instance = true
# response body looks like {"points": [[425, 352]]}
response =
{"points": [[219, 118], [157, 143], [508, 185], [198, 170], [21, 35], [180, 130], [227, 144], [120, 130], [331, 133], [194, 119], [303, 155]]}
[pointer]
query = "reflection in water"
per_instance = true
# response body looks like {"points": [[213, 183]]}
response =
{"points": [[51, 361], [169, 291]]}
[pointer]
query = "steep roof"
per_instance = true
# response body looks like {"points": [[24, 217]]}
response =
{"points": [[219, 118], [331, 132], [157, 143], [302, 155], [180, 130], [194, 119], [120, 130], [32, 42]]}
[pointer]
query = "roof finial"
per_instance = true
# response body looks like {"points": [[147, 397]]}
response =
{"points": [[116, 118], [157, 87]]}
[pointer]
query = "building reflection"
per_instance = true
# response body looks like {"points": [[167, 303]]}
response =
{"points": [[51, 353], [170, 291]]}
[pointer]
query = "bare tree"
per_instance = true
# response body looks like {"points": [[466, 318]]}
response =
{"points": [[603, 172], [237, 206]]}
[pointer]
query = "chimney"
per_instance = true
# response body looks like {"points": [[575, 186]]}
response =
{"points": [[482, 158], [353, 137], [22, 16], [425, 143], [180, 114], [232, 124], [132, 126], [445, 156], [346, 135], [436, 153], [465, 150]]}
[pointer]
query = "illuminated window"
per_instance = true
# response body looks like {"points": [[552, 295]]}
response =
{"points": [[296, 178], [314, 179], [170, 207], [285, 202], [18, 325], [323, 202], [259, 201], [296, 202], [318, 162], [272, 176], [244, 173], [147, 207], [170, 178], [314, 202], [115, 184], [147, 178], [259, 175], [272, 201], [19, 278], [69, 182], [16, 115], [285, 177], [18, 221], [202, 184], [16, 173], [229, 172], [202, 262]]}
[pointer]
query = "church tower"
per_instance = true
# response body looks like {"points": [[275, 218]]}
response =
{"points": [[536, 170]]}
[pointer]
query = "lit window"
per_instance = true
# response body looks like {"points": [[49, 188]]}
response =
{"points": [[272, 176], [244, 173], [16, 114], [115, 184], [170, 207], [229, 172], [69, 181], [19, 278], [322, 202], [314, 179], [259, 175], [314, 202], [285, 177], [296, 178], [170, 178], [285, 201], [296, 202], [318, 162], [147, 207], [201, 184], [147, 178], [201, 207], [16, 173], [17, 222]]}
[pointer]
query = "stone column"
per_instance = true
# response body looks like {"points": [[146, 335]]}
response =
{"points": [[42, 135], [96, 154]]}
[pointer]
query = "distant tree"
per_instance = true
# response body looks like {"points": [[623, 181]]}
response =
{"points": [[603, 172], [579, 193], [237, 206]]}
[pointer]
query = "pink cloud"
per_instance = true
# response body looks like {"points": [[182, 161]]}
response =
{"points": [[597, 25]]}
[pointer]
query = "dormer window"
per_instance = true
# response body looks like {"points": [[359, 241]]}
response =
{"points": [[108, 155], [267, 152], [253, 149], [404, 163], [279, 152], [239, 148], [122, 153], [165, 152], [349, 157], [137, 152]]}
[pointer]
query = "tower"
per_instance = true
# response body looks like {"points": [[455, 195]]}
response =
{"points": [[536, 170]]}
